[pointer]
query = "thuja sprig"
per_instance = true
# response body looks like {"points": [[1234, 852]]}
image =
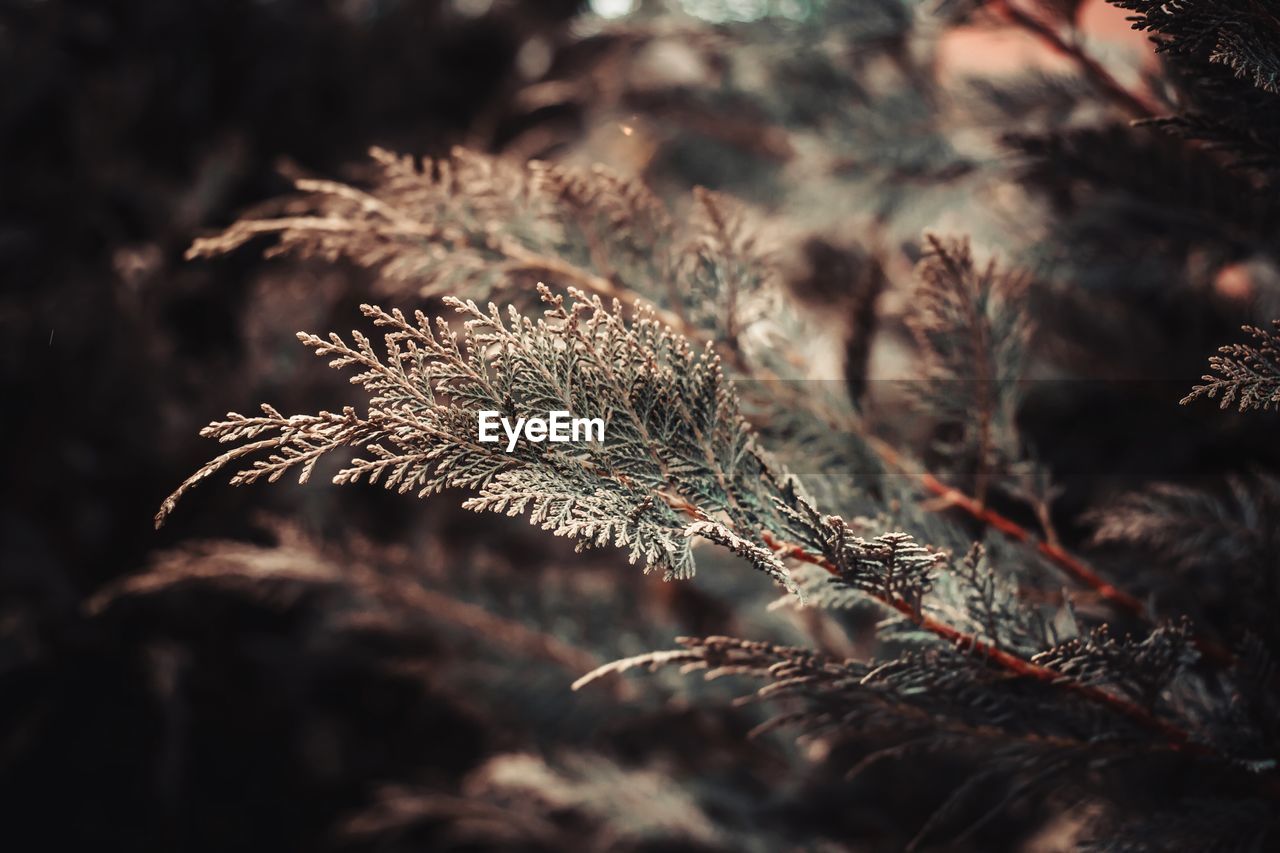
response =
{"points": [[679, 460], [1247, 375], [673, 428], [477, 224]]}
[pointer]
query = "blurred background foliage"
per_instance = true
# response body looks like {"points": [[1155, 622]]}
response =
{"points": [[380, 673]]}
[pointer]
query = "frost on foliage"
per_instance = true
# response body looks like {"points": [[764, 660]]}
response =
{"points": [[676, 447]]}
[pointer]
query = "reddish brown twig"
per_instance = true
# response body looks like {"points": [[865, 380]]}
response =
{"points": [[1071, 565], [1177, 738], [1135, 103]]}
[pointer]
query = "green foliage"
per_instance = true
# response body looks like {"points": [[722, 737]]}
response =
{"points": [[965, 658], [1142, 669]]}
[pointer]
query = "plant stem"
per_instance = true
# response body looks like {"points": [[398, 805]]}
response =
{"points": [[1139, 105], [1177, 738], [1070, 564]]}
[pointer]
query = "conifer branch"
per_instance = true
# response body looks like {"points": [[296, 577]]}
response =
{"points": [[451, 202], [1177, 738], [1073, 566], [1248, 375], [674, 431]]}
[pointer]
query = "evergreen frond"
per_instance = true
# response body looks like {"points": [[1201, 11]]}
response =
{"points": [[1248, 375], [476, 226], [1217, 540], [675, 440], [1225, 67], [1141, 669], [1243, 37], [970, 324], [965, 699]]}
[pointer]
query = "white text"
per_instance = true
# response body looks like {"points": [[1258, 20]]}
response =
{"points": [[558, 426]]}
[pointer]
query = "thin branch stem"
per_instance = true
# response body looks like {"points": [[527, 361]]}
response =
{"points": [[1137, 104], [1177, 738], [1071, 565], [522, 259]]}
